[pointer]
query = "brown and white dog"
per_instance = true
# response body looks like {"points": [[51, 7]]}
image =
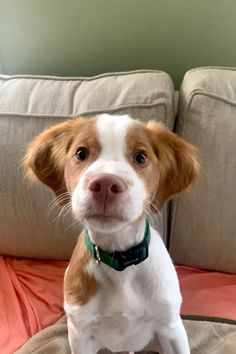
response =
{"points": [[114, 170]]}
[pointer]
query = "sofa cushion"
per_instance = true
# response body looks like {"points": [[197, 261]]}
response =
{"points": [[143, 93], [204, 337], [28, 105], [204, 223]]}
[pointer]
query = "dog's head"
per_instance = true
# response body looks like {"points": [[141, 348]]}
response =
{"points": [[113, 168]]}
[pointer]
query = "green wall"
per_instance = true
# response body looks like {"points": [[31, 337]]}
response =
{"points": [[88, 37]]}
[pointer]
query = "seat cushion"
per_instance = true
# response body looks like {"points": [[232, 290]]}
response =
{"points": [[203, 222], [204, 337], [30, 225]]}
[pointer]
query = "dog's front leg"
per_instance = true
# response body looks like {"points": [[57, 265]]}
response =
{"points": [[80, 344], [173, 339]]}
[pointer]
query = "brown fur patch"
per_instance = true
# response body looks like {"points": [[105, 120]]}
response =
{"points": [[79, 287], [172, 163], [178, 162], [138, 140], [86, 137], [54, 149]]}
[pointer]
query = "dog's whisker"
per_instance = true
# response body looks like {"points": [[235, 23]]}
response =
{"points": [[149, 216], [153, 208], [63, 195], [73, 224], [68, 211], [64, 209], [62, 212], [152, 212], [53, 204], [63, 198]]}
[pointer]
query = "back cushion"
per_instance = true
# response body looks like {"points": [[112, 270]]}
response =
{"points": [[31, 224], [203, 232]]}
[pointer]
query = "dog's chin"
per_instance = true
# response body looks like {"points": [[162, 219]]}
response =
{"points": [[105, 223]]}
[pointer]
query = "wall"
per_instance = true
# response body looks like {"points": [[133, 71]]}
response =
{"points": [[87, 37]]}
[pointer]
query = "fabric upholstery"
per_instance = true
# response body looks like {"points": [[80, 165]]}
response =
{"points": [[30, 226], [143, 94], [203, 221], [204, 337]]}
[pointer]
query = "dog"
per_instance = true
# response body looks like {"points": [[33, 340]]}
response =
{"points": [[120, 289]]}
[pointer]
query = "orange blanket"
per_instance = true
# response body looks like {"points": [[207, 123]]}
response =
{"points": [[31, 297], [207, 293]]}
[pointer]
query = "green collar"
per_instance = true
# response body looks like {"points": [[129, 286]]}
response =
{"points": [[119, 260]]}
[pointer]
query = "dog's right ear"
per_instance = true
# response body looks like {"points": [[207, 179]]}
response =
{"points": [[45, 156]]}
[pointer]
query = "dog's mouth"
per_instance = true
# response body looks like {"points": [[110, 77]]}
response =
{"points": [[105, 222], [105, 217]]}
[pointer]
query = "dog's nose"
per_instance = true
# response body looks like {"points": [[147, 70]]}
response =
{"points": [[106, 185]]}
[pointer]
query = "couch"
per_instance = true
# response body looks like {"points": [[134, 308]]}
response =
{"points": [[199, 228]]}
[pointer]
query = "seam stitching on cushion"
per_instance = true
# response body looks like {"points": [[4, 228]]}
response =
{"points": [[212, 68], [60, 330], [118, 108], [82, 78], [46, 343], [224, 340], [211, 319], [200, 92]]}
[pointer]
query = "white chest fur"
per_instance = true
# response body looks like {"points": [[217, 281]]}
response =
{"points": [[131, 306]]}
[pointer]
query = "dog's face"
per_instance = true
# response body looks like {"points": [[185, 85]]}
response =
{"points": [[114, 168]]}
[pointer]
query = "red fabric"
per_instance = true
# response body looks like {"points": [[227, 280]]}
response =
{"points": [[31, 298], [207, 293]]}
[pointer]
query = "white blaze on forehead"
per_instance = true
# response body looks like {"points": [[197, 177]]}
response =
{"points": [[112, 131], [112, 136]]}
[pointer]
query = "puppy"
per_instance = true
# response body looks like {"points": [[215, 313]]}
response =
{"points": [[121, 290]]}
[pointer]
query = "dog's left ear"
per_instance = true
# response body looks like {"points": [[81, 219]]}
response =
{"points": [[177, 159]]}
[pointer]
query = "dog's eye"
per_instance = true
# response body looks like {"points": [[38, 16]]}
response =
{"points": [[82, 154], [140, 158]]}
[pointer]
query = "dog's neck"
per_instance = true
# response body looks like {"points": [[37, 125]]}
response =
{"points": [[126, 237]]}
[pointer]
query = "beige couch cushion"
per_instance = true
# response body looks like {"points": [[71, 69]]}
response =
{"points": [[204, 221], [29, 228]]}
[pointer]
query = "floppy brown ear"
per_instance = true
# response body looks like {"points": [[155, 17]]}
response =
{"points": [[45, 156], [178, 162]]}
